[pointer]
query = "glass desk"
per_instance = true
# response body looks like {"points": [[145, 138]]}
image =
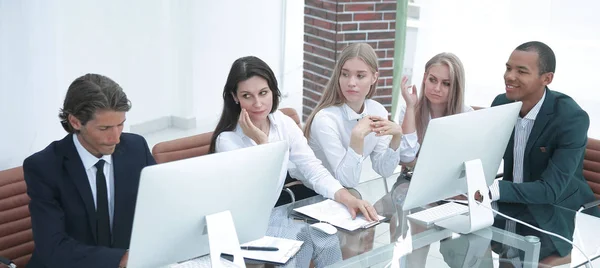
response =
{"points": [[432, 247]]}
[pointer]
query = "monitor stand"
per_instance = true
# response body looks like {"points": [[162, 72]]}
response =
{"points": [[222, 238], [479, 217]]}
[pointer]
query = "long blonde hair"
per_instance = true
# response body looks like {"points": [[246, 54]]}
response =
{"points": [[455, 95], [332, 95]]}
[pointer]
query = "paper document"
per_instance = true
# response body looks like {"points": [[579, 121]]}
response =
{"points": [[336, 214], [287, 249]]}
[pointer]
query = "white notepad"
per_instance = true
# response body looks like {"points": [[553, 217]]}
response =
{"points": [[336, 214], [287, 249]]}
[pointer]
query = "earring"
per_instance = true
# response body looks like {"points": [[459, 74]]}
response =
{"points": [[236, 102]]}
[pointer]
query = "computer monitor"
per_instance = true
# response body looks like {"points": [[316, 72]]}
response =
{"points": [[478, 138], [173, 199]]}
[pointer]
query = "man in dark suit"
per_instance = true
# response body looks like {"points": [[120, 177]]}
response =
{"points": [[83, 188], [543, 182]]}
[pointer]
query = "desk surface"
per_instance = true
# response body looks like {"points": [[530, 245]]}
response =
{"points": [[433, 247]]}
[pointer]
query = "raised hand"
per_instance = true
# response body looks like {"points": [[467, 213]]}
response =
{"points": [[251, 130], [409, 93]]}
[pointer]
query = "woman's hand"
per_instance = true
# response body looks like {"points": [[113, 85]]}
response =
{"points": [[251, 130], [409, 93], [363, 128], [355, 205], [381, 126]]}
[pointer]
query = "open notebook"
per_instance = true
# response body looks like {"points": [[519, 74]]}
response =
{"points": [[336, 214]]}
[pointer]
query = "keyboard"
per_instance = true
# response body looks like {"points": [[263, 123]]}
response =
{"points": [[432, 215], [203, 263]]}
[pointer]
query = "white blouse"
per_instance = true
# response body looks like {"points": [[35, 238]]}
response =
{"points": [[330, 140], [312, 172]]}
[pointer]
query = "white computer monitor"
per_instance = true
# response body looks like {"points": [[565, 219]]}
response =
{"points": [[173, 199], [452, 141]]}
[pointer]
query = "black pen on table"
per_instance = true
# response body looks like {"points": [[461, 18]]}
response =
{"points": [[309, 221], [259, 248]]}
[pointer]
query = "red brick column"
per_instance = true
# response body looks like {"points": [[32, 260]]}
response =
{"points": [[329, 26]]}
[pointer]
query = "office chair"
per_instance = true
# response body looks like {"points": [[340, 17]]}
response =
{"points": [[16, 237]]}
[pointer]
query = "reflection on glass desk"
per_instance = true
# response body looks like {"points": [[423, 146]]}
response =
{"points": [[432, 247], [437, 247]]}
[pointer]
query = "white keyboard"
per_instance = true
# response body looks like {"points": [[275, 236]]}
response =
{"points": [[432, 215], [203, 263]]}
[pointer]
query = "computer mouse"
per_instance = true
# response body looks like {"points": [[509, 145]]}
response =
{"points": [[325, 227]]}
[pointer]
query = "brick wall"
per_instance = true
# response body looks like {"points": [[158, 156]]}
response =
{"points": [[329, 26]]}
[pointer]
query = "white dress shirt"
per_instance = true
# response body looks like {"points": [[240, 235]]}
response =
{"points": [[312, 172], [523, 128], [411, 140], [89, 160], [330, 140]]}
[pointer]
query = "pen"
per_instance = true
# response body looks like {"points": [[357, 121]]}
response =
{"points": [[310, 221], [259, 248]]}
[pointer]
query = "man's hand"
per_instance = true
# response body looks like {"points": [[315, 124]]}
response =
{"points": [[251, 130], [124, 259], [458, 197], [356, 205]]}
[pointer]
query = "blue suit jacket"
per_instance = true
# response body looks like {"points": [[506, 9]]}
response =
{"points": [[552, 169], [63, 213]]}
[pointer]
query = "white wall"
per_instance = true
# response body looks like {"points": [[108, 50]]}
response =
{"points": [[484, 33], [29, 94], [293, 55], [47, 44], [170, 57], [220, 36]]}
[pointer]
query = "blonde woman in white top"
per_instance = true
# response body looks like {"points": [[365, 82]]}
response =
{"points": [[442, 94], [250, 117], [347, 126]]}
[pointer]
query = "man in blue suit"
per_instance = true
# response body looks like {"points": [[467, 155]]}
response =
{"points": [[83, 188], [543, 181]]}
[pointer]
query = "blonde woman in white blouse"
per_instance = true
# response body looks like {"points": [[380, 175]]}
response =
{"points": [[442, 94], [347, 125], [250, 117]]}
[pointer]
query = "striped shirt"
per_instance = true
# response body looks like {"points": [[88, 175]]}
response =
{"points": [[522, 130]]}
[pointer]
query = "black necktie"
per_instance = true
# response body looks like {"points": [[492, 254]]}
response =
{"points": [[102, 218]]}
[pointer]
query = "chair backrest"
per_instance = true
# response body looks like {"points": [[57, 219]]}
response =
{"points": [[591, 165], [196, 145], [16, 237], [291, 112], [182, 148]]}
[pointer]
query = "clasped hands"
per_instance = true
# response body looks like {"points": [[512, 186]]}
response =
{"points": [[378, 125]]}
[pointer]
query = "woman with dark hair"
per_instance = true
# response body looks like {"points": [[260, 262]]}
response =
{"points": [[250, 117]]}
